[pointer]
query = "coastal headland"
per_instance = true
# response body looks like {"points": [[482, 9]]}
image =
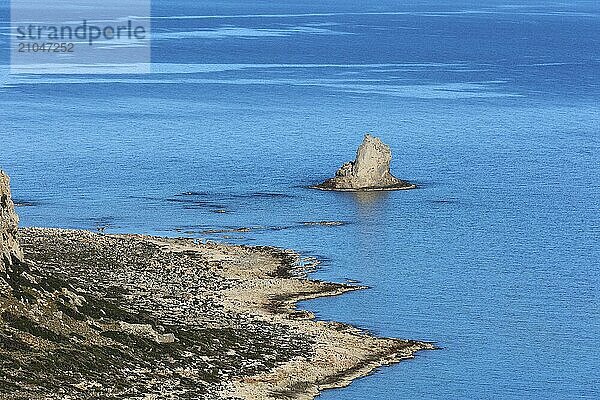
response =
{"points": [[86, 315], [147, 317]]}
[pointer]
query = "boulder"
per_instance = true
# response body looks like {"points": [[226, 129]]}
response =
{"points": [[369, 171], [146, 331], [10, 251]]}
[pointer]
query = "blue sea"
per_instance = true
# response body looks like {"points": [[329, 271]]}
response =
{"points": [[491, 107]]}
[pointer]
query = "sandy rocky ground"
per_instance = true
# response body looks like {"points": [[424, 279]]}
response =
{"points": [[127, 316]]}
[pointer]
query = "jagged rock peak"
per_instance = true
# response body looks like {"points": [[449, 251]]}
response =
{"points": [[9, 245], [369, 171]]}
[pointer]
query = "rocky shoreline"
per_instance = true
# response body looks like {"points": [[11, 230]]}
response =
{"points": [[400, 186], [132, 316]]}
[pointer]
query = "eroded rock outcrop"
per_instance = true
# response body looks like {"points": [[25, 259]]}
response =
{"points": [[369, 171], [9, 246]]}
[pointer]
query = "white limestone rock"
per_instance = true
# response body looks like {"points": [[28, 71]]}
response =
{"points": [[10, 250], [369, 171]]}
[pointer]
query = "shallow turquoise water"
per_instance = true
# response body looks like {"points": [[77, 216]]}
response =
{"points": [[492, 109]]}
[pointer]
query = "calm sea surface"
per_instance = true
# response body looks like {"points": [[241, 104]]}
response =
{"points": [[492, 107]]}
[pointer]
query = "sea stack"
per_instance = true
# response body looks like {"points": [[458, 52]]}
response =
{"points": [[369, 171], [10, 252]]}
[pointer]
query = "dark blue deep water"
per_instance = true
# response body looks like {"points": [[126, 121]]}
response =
{"points": [[492, 107]]}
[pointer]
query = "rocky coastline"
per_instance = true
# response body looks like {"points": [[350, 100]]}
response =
{"points": [[85, 315], [132, 316]]}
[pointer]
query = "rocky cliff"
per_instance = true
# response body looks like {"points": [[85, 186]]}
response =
{"points": [[9, 246], [369, 171]]}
